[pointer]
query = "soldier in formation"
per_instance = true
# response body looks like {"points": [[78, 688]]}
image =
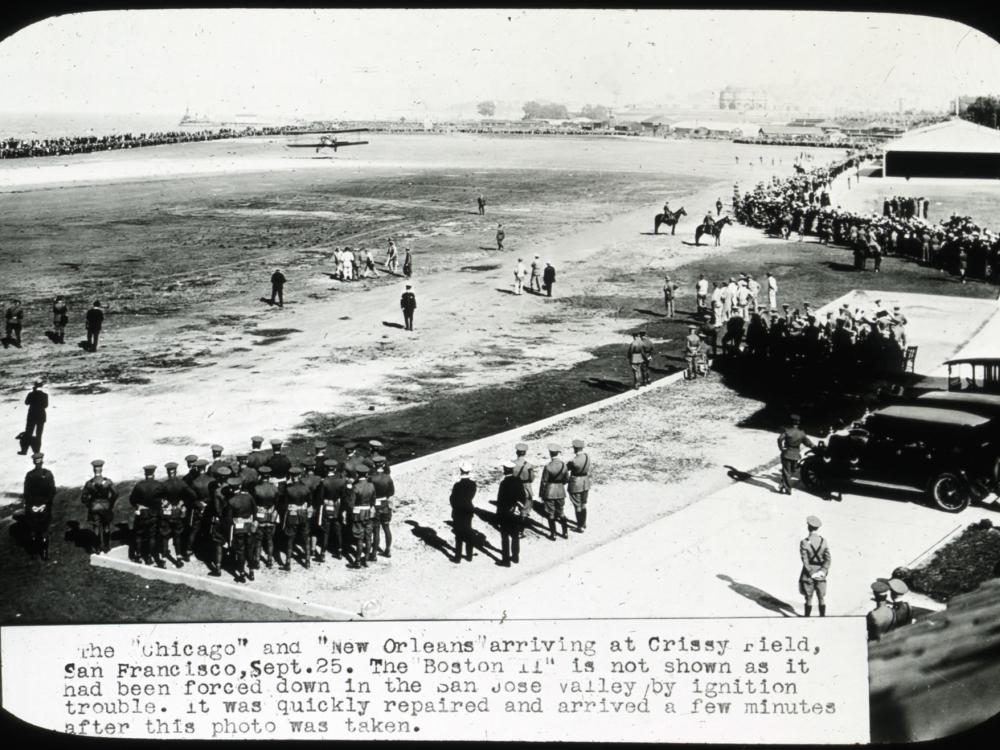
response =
{"points": [[39, 494], [146, 499], [99, 496], [555, 476]]}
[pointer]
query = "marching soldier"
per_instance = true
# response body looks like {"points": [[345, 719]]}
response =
{"points": [[525, 473], [265, 497], [257, 457], [510, 496], [332, 493], [815, 555], [177, 498], [385, 489], [240, 520], [552, 491], [790, 443], [463, 511], [99, 496], [297, 508], [579, 483], [880, 619], [146, 498], [204, 487], [279, 462], [902, 615], [362, 517], [39, 494], [248, 476]]}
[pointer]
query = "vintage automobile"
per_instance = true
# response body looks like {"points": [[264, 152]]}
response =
{"points": [[974, 374], [950, 454]]}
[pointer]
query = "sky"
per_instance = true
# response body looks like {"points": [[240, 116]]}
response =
{"points": [[361, 63]]}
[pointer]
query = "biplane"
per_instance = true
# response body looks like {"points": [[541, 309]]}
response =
{"points": [[328, 139]]}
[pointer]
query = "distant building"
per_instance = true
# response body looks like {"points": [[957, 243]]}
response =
{"points": [[954, 148], [734, 97]]}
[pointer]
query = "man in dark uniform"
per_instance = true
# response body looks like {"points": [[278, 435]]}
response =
{"points": [[312, 482], [265, 497], [579, 483], [218, 462], [297, 507], [552, 491], [482, 205], [790, 444], [218, 532], [647, 356], [880, 619], [385, 489], [634, 356], [408, 303], [377, 448], [59, 319], [333, 490], [177, 498], [98, 497], [815, 555], [902, 614], [94, 322], [278, 287], [39, 494], [240, 522], [146, 498], [525, 473], [279, 462], [501, 235], [319, 458], [510, 497], [548, 279], [257, 456], [205, 489], [692, 352], [37, 402], [248, 476], [192, 470], [462, 512], [14, 319], [362, 517], [718, 206]]}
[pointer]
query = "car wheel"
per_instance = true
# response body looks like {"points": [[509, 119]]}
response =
{"points": [[948, 493], [810, 473]]}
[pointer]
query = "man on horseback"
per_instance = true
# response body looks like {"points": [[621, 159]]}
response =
{"points": [[709, 223]]}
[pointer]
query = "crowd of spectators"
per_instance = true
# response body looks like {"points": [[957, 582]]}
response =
{"points": [[19, 148], [802, 204]]}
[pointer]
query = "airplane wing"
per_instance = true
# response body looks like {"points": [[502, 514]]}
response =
{"points": [[330, 132]]}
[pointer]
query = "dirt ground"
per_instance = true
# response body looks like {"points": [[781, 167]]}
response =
{"points": [[191, 356]]}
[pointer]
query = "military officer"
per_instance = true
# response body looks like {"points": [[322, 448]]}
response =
{"points": [[902, 615], [635, 357], [463, 511], [377, 448], [257, 457], [815, 555], [319, 458], [198, 515], [363, 517], [240, 520], [247, 475], [218, 532], [279, 462], [692, 351], [880, 619], [177, 498], [579, 483], [265, 495], [312, 482], [790, 444], [552, 491], [192, 471], [39, 494], [332, 492], [99, 496], [647, 356], [146, 499], [218, 462], [385, 489], [510, 497], [525, 473], [297, 507]]}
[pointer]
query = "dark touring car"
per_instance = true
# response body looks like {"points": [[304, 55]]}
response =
{"points": [[951, 454]]}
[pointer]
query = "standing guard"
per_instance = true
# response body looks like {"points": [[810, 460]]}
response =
{"points": [[525, 473], [385, 489], [332, 493], [579, 483], [257, 456], [510, 496], [240, 521], [146, 498], [99, 496], [39, 494], [815, 555], [363, 517], [177, 498], [297, 507], [552, 491], [265, 497]]}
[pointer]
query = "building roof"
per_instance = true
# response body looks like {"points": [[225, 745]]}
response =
{"points": [[950, 136], [791, 130]]}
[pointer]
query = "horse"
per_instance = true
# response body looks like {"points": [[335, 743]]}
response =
{"points": [[716, 230], [670, 219]]}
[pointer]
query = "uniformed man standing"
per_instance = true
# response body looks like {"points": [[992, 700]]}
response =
{"points": [[880, 619], [385, 490], [510, 497], [634, 355], [13, 321], [647, 356], [525, 473], [462, 512], [240, 521], [311, 481], [362, 516], [218, 531], [265, 497], [178, 497], [37, 402], [39, 494], [199, 512], [218, 462], [279, 462], [319, 458], [535, 283], [790, 444], [95, 322], [297, 508], [249, 477], [408, 304], [501, 235], [192, 470], [333, 491], [579, 483], [552, 491], [98, 497], [60, 318], [548, 278], [692, 352], [815, 555], [902, 615], [146, 499], [257, 456], [278, 287]]}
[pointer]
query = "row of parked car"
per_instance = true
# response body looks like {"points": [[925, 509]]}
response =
{"points": [[945, 443]]}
